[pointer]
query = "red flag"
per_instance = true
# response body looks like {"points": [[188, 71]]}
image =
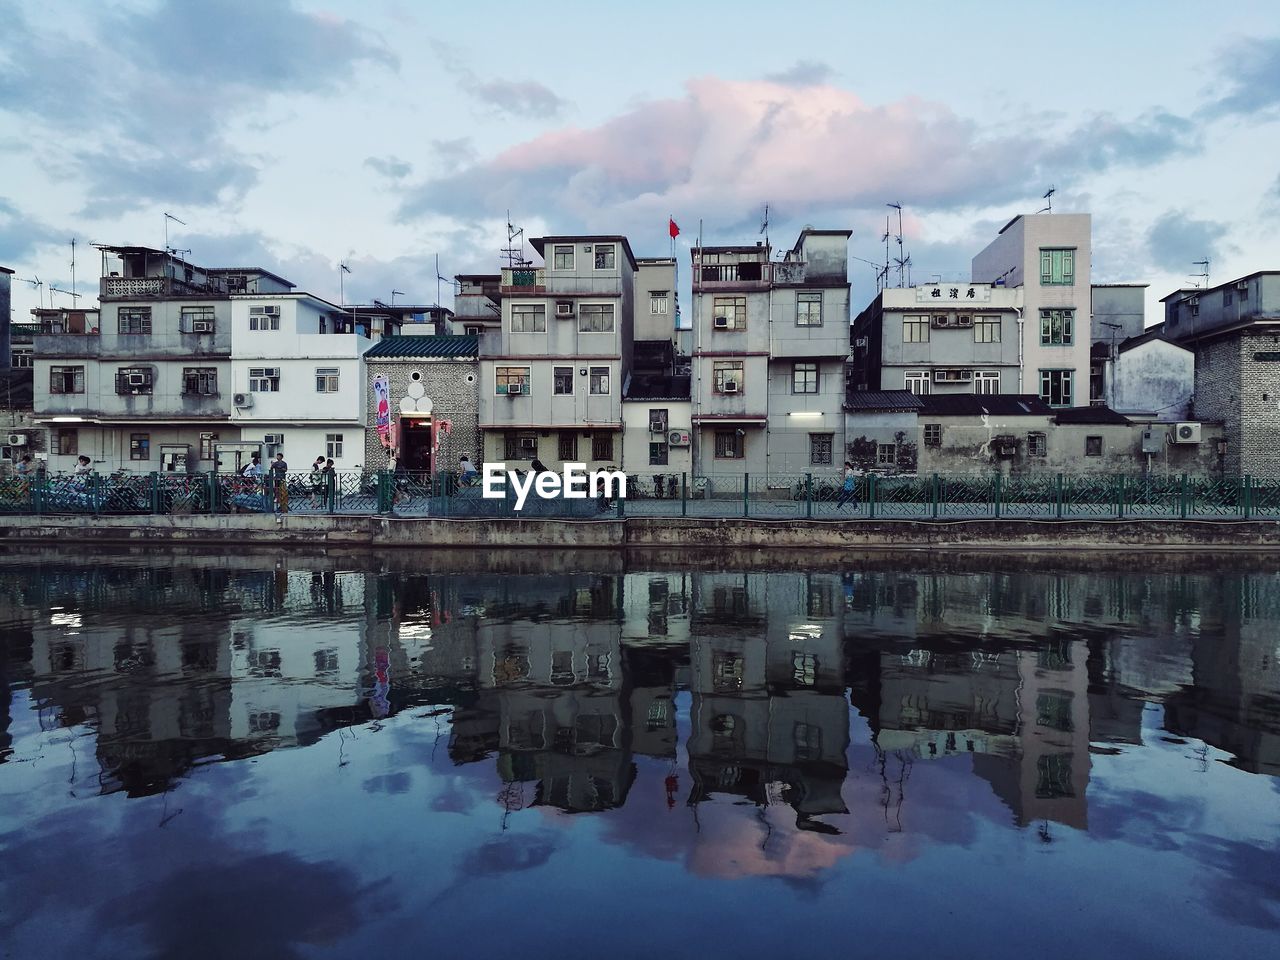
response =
{"points": [[672, 228]]}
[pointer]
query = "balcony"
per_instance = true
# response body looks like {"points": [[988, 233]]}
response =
{"points": [[751, 275], [524, 280], [150, 288]]}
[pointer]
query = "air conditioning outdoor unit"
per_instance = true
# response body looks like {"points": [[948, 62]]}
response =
{"points": [[564, 308], [515, 389], [242, 400], [271, 311], [273, 439], [729, 386], [137, 380], [678, 438], [1186, 433], [657, 426], [941, 320], [721, 323], [953, 376], [17, 439], [860, 342], [202, 326], [964, 320]]}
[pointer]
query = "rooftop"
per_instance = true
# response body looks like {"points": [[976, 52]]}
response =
{"points": [[1197, 291], [1154, 333], [411, 348], [539, 243], [1089, 415], [882, 400], [992, 404]]}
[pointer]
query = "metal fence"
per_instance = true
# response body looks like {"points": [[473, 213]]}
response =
{"points": [[807, 496]]}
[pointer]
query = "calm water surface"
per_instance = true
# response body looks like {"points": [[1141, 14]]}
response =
{"points": [[262, 757]]}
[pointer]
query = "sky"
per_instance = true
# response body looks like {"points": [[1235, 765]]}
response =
{"points": [[297, 135]]}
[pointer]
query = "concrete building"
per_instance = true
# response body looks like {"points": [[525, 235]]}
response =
{"points": [[657, 419], [1234, 331], [551, 379], [6, 316], [402, 319], [476, 310], [433, 387], [658, 304], [1047, 255], [297, 378], [945, 338], [1118, 314], [1150, 376]]}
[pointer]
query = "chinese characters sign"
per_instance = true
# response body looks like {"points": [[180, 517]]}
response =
{"points": [[953, 293]]}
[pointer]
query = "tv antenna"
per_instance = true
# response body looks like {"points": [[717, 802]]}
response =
{"points": [[73, 266], [66, 293], [38, 285], [764, 225], [513, 252], [1203, 275], [1048, 199], [167, 217], [454, 283], [393, 296], [903, 260]]}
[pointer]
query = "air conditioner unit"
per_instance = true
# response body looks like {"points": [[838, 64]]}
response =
{"points": [[137, 380], [657, 426], [564, 308], [17, 439], [1194, 301], [273, 439], [729, 386], [1186, 433], [271, 311], [678, 438], [721, 323], [860, 342], [202, 326], [515, 389], [953, 376], [941, 320], [242, 400], [1242, 284], [964, 320]]}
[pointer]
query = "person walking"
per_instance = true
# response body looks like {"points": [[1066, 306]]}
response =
{"points": [[280, 482], [849, 491]]}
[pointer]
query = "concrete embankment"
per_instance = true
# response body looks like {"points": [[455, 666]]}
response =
{"points": [[642, 532]]}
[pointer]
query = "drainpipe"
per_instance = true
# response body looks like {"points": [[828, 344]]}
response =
{"points": [[1020, 325]]}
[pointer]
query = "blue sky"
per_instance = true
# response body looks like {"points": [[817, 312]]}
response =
{"points": [[298, 134]]}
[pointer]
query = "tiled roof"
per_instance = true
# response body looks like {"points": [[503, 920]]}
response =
{"points": [[1090, 416], [881, 400], [416, 347], [977, 404], [657, 387]]}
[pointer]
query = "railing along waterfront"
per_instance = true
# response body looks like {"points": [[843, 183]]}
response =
{"points": [[801, 496]]}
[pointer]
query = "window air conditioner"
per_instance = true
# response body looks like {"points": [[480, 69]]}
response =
{"points": [[17, 439], [515, 389], [1242, 284], [964, 320], [721, 323], [273, 439], [941, 320], [657, 426], [729, 386], [678, 438], [564, 309], [202, 326], [1186, 433], [137, 380], [271, 311], [242, 400]]}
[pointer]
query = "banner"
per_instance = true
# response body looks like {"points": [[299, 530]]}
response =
{"points": [[382, 405]]}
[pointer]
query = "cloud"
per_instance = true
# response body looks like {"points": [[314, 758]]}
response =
{"points": [[453, 154], [521, 99], [1175, 241], [803, 73], [1250, 71], [20, 235], [393, 168]]}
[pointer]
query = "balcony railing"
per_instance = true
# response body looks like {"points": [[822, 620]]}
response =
{"points": [[138, 288], [524, 280]]}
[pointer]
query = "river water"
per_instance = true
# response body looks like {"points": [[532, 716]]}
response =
{"points": [[603, 756]]}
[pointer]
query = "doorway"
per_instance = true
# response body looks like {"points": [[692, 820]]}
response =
{"points": [[417, 454]]}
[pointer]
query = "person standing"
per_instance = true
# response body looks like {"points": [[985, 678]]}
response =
{"points": [[252, 470], [849, 490], [468, 472], [316, 479], [280, 482], [328, 478]]}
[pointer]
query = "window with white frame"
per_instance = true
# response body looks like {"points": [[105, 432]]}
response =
{"points": [[729, 313], [333, 445], [986, 381], [604, 259], [595, 318], [986, 329], [510, 380], [1055, 387], [200, 381], [134, 320], [658, 301], [915, 329], [809, 309], [1037, 444], [598, 385], [727, 376], [23, 357], [197, 319], [917, 381], [264, 379], [562, 257], [1056, 327], [562, 382], [326, 379], [932, 434], [264, 318], [804, 377], [528, 318]]}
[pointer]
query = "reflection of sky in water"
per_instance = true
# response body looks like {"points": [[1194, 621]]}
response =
{"points": [[781, 766]]}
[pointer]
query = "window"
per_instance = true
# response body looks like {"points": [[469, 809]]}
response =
{"points": [[599, 382], [67, 442], [264, 318], [933, 434], [886, 454], [729, 313], [511, 380], [917, 381], [1055, 327], [562, 385], [808, 309], [473, 330], [658, 417], [804, 378], [333, 445], [528, 318], [196, 320], [520, 446], [326, 379], [730, 445], [134, 320], [1093, 446], [562, 258], [602, 446], [658, 302], [804, 669], [139, 446], [207, 442], [1057, 267], [264, 379], [727, 376], [568, 447], [604, 256], [915, 329], [986, 381], [986, 329], [66, 379], [820, 448], [1226, 298], [1055, 387], [658, 453], [1037, 445], [200, 381], [134, 381], [595, 318]]}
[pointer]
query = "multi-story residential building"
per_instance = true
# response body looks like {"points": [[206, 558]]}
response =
{"points": [[770, 342], [149, 388], [296, 378], [1234, 331], [551, 378], [6, 309], [476, 310], [658, 303], [1047, 256], [1118, 313], [657, 417], [939, 338], [402, 319]]}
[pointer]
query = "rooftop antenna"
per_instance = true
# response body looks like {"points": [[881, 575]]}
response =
{"points": [[882, 276], [73, 266], [343, 270], [167, 217], [764, 226], [454, 284], [68, 293], [393, 296], [903, 260], [514, 254], [1203, 275], [1048, 198], [38, 285]]}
